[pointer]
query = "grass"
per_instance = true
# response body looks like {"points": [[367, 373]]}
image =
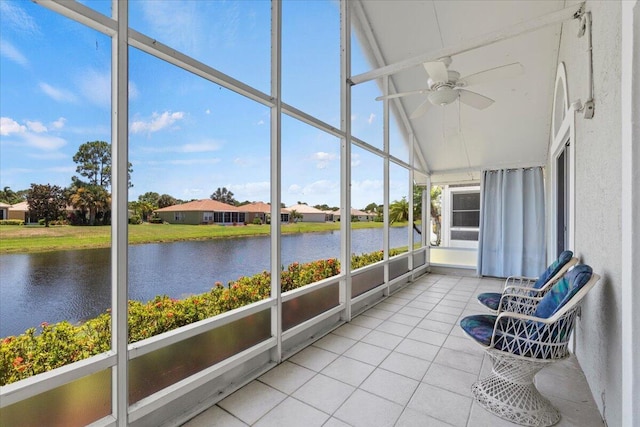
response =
{"points": [[21, 239]]}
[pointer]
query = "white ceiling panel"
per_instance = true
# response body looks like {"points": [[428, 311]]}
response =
{"points": [[514, 130]]}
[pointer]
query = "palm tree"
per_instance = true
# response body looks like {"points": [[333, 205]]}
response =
{"points": [[93, 199], [399, 211]]}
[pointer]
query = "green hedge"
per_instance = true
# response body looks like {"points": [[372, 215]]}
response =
{"points": [[11, 222], [62, 343]]}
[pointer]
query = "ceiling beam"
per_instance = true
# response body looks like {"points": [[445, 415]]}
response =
{"points": [[478, 42]]}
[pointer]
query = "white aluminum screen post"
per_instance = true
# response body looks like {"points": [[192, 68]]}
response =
{"points": [[385, 202], [276, 134], [411, 204], [426, 217], [119, 220], [345, 159]]}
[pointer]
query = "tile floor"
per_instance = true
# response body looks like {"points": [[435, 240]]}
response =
{"points": [[404, 362]]}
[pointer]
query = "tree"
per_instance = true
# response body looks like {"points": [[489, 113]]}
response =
{"points": [[225, 196], [7, 195], [92, 199], [399, 211], [46, 201], [94, 163], [166, 200], [150, 197], [436, 212], [373, 207], [294, 216]]}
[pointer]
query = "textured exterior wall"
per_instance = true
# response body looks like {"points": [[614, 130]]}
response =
{"points": [[598, 200]]}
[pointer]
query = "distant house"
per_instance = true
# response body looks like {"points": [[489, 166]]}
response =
{"points": [[309, 213], [20, 211], [332, 216], [358, 215], [4, 211], [205, 211], [262, 211]]}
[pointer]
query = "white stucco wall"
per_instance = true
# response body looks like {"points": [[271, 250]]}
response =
{"points": [[598, 200]]}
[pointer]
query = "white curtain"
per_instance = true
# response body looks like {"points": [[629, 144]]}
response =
{"points": [[512, 240]]}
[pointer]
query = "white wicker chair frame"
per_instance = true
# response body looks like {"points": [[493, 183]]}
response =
{"points": [[526, 344], [521, 285]]}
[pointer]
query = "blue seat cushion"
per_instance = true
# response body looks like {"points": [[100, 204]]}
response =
{"points": [[479, 327], [553, 269], [490, 299], [563, 290]]}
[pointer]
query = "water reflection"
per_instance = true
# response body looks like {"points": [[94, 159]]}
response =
{"points": [[76, 285]]}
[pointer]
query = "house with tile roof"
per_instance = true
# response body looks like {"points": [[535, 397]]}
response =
{"points": [[204, 211], [309, 213], [262, 211]]}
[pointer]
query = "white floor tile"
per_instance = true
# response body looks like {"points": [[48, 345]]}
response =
{"points": [[352, 331], [313, 358], [382, 339], [441, 404], [395, 328], [471, 363], [292, 412], [391, 386], [364, 409], [367, 353], [450, 379], [335, 343], [215, 417], [348, 370], [252, 401], [412, 418], [406, 365], [425, 335], [287, 377], [324, 393], [417, 349]]}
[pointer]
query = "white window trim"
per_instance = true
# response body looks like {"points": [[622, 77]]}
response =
{"points": [[566, 133]]}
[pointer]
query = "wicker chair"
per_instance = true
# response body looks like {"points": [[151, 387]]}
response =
{"points": [[531, 286], [522, 342]]}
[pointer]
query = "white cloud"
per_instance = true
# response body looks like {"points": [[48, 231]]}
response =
{"points": [[323, 159], [355, 160], [36, 127], [251, 190], [191, 193], [57, 94], [295, 189], [43, 141], [58, 124], [200, 147], [185, 162], [371, 118], [14, 16], [12, 53], [170, 20], [96, 87], [207, 111], [9, 126], [157, 122], [33, 135], [260, 122]]}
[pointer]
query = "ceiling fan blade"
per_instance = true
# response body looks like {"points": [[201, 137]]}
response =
{"points": [[499, 73], [399, 94], [437, 70], [474, 100], [422, 108]]}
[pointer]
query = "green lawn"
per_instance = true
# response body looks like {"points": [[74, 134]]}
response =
{"points": [[20, 239]]}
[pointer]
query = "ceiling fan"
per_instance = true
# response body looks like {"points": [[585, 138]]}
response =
{"points": [[445, 86]]}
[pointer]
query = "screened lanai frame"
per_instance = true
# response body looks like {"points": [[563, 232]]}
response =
{"points": [[355, 289]]}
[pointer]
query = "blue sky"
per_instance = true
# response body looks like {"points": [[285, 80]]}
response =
{"points": [[187, 136]]}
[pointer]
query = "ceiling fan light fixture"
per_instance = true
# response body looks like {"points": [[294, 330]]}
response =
{"points": [[443, 96]]}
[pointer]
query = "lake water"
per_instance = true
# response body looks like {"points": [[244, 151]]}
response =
{"points": [[76, 285]]}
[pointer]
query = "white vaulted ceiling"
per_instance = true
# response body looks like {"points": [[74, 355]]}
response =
{"points": [[456, 138]]}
